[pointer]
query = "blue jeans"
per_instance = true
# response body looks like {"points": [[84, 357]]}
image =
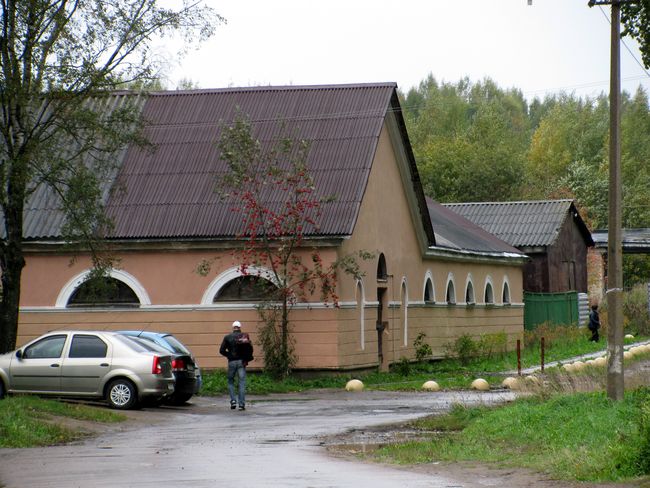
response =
{"points": [[237, 368]]}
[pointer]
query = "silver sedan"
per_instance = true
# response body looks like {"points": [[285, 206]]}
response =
{"points": [[88, 364]]}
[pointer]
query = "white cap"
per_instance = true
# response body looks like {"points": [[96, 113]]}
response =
{"points": [[236, 324]]}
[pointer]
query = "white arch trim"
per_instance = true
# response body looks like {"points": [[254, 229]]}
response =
{"points": [[118, 274], [361, 302], [428, 276], [229, 275], [470, 282], [506, 283], [488, 282], [404, 297], [450, 279]]}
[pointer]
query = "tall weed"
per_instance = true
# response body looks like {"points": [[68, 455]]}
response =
{"points": [[635, 309]]}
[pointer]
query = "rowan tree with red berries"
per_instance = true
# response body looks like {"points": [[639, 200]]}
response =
{"points": [[273, 191]]}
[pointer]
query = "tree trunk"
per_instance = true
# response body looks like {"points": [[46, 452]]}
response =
{"points": [[12, 265], [12, 260], [285, 335]]}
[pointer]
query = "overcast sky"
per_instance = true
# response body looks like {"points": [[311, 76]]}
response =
{"points": [[550, 46]]}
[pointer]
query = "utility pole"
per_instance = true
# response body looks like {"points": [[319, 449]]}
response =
{"points": [[615, 376]]}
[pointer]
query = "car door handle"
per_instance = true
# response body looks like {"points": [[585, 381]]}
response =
{"points": [[104, 365], [54, 365]]}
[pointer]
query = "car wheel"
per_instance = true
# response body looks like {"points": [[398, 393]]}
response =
{"points": [[2, 390], [179, 399], [122, 394]]}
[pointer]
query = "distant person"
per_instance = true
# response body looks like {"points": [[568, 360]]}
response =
{"points": [[237, 347], [594, 323]]}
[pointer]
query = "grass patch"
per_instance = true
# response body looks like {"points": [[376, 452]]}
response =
{"points": [[582, 437], [28, 421], [561, 343]]}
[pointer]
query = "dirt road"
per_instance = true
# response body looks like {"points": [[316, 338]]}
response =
{"points": [[280, 441]]}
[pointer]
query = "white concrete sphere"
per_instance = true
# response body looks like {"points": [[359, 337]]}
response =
{"points": [[636, 350], [532, 379], [480, 384], [628, 355], [590, 363], [629, 336], [578, 366], [510, 382], [354, 385], [569, 367], [431, 386], [600, 361]]}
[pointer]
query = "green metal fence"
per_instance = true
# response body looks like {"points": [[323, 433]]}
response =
{"points": [[557, 308]]}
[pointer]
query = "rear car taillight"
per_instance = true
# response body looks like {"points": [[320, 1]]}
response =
{"points": [[178, 364], [156, 367]]}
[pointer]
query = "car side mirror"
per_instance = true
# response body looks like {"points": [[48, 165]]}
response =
{"points": [[19, 354]]}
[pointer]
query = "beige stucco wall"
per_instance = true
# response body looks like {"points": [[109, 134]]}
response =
{"points": [[385, 225], [326, 337]]}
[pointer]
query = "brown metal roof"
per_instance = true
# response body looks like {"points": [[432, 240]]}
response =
{"points": [[456, 232], [534, 223], [170, 193]]}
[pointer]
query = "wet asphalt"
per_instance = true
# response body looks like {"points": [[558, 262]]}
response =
{"points": [[279, 441]]}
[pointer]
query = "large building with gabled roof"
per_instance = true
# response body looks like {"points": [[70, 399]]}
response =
{"points": [[433, 272]]}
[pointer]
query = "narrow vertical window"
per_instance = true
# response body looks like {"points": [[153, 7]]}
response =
{"points": [[451, 293], [428, 291], [405, 304], [506, 294], [361, 315], [469, 294], [489, 294]]}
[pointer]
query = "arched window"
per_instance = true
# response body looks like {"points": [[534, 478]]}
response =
{"points": [[506, 293], [246, 288], [451, 292], [405, 306], [429, 296], [382, 271], [103, 292], [361, 312], [469, 294], [489, 293]]}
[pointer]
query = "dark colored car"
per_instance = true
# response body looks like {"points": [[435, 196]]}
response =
{"points": [[88, 364], [186, 370]]}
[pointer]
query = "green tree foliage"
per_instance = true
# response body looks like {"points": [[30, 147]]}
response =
{"points": [[470, 139], [58, 128], [478, 142], [635, 17]]}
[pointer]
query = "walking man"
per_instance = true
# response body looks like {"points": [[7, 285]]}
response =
{"points": [[238, 348]]}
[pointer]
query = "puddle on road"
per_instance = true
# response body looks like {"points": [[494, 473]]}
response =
{"points": [[360, 442]]}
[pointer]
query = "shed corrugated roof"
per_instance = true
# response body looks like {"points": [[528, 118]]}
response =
{"points": [[523, 223], [456, 232]]}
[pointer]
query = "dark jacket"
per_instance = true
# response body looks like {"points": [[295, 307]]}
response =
{"points": [[594, 320], [228, 346]]}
